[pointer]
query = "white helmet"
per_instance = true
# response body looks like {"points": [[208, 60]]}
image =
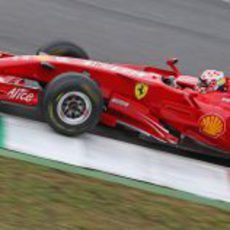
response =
{"points": [[212, 79]]}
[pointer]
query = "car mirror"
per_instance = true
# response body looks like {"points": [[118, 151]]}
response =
{"points": [[172, 61]]}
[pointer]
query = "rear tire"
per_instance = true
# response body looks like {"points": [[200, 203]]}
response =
{"points": [[64, 49], [72, 104]]}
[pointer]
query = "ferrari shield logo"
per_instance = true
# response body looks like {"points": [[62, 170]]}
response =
{"points": [[141, 90]]}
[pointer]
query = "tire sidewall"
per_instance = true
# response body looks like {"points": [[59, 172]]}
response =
{"points": [[66, 83]]}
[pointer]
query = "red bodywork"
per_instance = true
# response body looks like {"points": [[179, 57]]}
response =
{"points": [[135, 96]]}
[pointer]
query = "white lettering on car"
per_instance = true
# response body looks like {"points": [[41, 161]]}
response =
{"points": [[120, 102], [20, 94], [226, 99], [118, 69]]}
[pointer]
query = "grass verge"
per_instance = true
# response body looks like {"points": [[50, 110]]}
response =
{"points": [[37, 197]]}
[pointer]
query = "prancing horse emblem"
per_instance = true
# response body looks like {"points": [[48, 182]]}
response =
{"points": [[141, 90]]}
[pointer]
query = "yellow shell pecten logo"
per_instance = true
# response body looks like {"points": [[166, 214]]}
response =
{"points": [[141, 90], [212, 125]]}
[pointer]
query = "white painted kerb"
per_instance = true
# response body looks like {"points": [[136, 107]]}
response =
{"points": [[104, 154]]}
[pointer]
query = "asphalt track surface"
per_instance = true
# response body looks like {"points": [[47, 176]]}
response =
{"points": [[127, 31]]}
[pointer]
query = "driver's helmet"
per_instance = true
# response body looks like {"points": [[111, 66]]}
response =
{"points": [[212, 80]]}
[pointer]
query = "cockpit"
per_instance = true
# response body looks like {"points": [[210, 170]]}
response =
{"points": [[209, 81]]}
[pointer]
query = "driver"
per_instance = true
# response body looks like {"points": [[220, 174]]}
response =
{"points": [[212, 80]]}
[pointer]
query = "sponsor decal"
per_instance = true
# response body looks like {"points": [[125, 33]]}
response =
{"points": [[43, 58], [141, 90], [117, 69], [226, 99], [22, 58], [120, 102], [62, 59], [20, 94], [212, 125]]}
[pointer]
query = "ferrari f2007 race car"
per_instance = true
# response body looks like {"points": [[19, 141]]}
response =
{"points": [[75, 93]]}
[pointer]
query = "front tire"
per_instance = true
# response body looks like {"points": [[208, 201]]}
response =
{"points": [[72, 104]]}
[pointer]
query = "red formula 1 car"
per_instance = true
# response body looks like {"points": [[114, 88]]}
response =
{"points": [[75, 93]]}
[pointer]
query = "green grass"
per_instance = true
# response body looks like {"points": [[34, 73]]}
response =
{"points": [[37, 197]]}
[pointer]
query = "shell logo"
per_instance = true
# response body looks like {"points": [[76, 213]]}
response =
{"points": [[212, 125]]}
